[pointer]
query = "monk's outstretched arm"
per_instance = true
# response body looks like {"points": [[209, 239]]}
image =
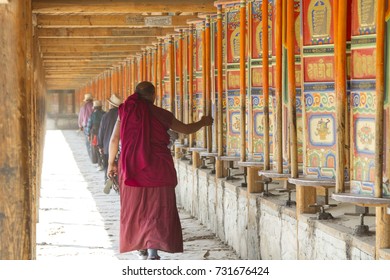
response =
{"points": [[181, 127]]}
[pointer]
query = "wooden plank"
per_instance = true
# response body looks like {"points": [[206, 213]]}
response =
{"points": [[78, 49], [101, 32], [121, 6], [147, 41], [110, 20]]}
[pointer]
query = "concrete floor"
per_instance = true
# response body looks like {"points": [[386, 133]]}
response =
{"points": [[76, 219]]}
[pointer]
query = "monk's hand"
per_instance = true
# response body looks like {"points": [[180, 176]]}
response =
{"points": [[207, 120], [112, 170]]}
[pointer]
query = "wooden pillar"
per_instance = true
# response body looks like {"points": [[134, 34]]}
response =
{"points": [[341, 90], [243, 78], [204, 82], [180, 75], [134, 74], [172, 74], [382, 218], [266, 85], [149, 67], [120, 80], [17, 207], [208, 81], [191, 81], [219, 113], [155, 66], [291, 88], [145, 65], [125, 79], [278, 86], [160, 72]]}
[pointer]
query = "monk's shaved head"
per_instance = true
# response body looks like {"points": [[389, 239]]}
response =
{"points": [[146, 90]]}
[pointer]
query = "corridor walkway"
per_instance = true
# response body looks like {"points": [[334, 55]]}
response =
{"points": [[76, 219]]}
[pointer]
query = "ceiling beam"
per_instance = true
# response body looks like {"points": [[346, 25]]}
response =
{"points": [[102, 32], [121, 6], [137, 41], [110, 20], [96, 49]]}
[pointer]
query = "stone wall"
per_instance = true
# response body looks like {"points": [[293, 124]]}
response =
{"points": [[258, 227]]}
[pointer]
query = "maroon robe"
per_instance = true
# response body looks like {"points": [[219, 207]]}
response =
{"points": [[149, 217]]}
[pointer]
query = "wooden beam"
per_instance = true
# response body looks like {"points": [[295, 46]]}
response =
{"points": [[110, 20], [137, 41], [102, 32], [78, 49], [121, 6], [86, 55]]}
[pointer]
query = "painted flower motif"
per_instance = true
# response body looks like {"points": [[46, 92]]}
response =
{"points": [[366, 135]]}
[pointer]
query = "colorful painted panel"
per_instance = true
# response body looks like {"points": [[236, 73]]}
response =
{"points": [[363, 127], [257, 29], [258, 123], [233, 34], [321, 134], [233, 123], [318, 22], [319, 69], [363, 17], [363, 63], [198, 91]]}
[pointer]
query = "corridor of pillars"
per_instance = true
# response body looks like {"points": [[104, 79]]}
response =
{"points": [[297, 90]]}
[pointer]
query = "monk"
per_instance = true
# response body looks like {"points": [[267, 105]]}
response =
{"points": [[149, 220]]}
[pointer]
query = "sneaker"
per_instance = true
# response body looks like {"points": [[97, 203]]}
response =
{"points": [[142, 254]]}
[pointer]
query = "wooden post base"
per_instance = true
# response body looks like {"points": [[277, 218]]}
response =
{"points": [[254, 186], [382, 229], [196, 162], [178, 153], [218, 168], [305, 196]]}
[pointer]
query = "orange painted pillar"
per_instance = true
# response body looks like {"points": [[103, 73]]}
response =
{"points": [[191, 80], [160, 72], [266, 84], [243, 78], [172, 74], [278, 85], [290, 30]]}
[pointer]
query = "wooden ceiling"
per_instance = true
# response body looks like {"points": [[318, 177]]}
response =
{"points": [[79, 40]]}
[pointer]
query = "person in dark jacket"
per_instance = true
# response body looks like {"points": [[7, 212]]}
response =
{"points": [[106, 127], [92, 131]]}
